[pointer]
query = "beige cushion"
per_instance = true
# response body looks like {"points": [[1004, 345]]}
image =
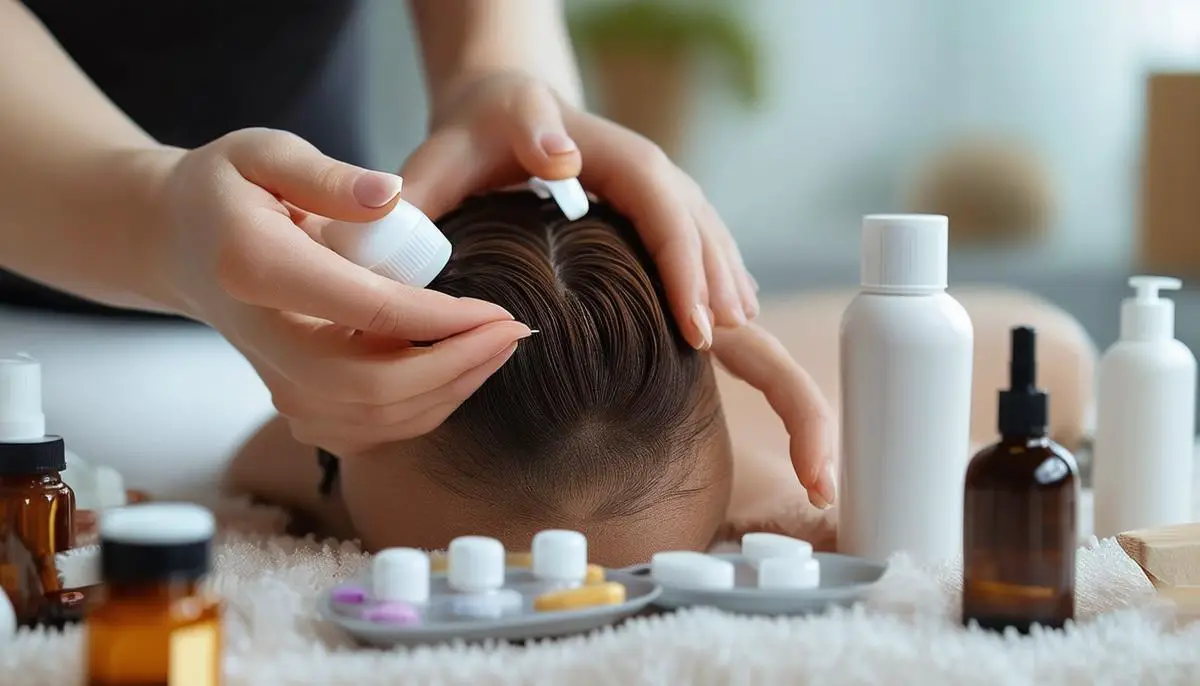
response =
{"points": [[808, 326]]}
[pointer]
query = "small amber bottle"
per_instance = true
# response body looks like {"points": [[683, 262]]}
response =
{"points": [[37, 521], [153, 624], [1019, 518]]}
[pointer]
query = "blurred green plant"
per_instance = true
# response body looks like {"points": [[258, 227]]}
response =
{"points": [[691, 27]]}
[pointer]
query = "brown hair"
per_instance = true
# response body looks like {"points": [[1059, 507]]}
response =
{"points": [[601, 413]]}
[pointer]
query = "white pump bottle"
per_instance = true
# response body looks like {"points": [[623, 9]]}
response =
{"points": [[907, 349], [1146, 415]]}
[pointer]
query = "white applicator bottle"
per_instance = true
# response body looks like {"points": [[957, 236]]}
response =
{"points": [[907, 349], [1146, 416], [406, 246]]}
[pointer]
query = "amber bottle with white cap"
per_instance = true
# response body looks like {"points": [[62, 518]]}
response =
{"points": [[154, 623], [37, 509], [906, 358], [407, 247], [1144, 447]]}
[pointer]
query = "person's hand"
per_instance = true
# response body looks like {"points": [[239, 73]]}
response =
{"points": [[242, 252], [502, 129], [759, 359]]}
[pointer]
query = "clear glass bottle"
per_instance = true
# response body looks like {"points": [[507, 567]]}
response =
{"points": [[154, 624]]}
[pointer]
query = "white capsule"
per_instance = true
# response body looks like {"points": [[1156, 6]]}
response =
{"points": [[757, 547], [475, 564], [400, 575], [791, 573], [687, 569], [560, 556]]}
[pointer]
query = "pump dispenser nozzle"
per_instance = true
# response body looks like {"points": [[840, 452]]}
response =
{"points": [[1146, 316], [1023, 407]]}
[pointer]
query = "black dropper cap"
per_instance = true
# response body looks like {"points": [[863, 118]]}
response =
{"points": [[1023, 408]]}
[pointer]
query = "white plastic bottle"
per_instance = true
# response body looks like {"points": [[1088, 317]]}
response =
{"points": [[906, 364], [1146, 418], [407, 247]]}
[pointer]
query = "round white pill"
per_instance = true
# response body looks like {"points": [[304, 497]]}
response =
{"points": [[687, 569], [757, 547], [560, 556], [475, 564], [789, 572], [400, 575]]}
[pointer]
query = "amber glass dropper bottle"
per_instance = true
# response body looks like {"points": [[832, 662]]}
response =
{"points": [[1019, 515]]}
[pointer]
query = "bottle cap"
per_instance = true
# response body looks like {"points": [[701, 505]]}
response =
{"points": [[568, 193], [789, 572], [759, 546], [688, 569], [904, 253], [1146, 316], [21, 417], [404, 246], [475, 564], [560, 555], [400, 575], [1024, 409], [154, 542]]}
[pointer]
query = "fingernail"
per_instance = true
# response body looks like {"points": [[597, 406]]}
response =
{"points": [[703, 323], [485, 305], [817, 500], [752, 308], [753, 281], [376, 189], [829, 484], [557, 144]]}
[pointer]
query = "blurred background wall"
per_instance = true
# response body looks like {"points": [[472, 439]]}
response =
{"points": [[859, 96]]}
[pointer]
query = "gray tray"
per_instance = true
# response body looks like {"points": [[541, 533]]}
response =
{"points": [[640, 591], [844, 581]]}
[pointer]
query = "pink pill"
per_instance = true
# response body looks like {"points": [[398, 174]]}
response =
{"points": [[349, 595], [392, 613]]}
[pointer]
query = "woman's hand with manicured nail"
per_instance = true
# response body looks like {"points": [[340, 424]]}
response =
{"points": [[502, 129], [332, 340], [758, 358]]}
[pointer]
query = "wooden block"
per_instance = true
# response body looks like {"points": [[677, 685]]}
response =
{"points": [[1169, 555], [1170, 203]]}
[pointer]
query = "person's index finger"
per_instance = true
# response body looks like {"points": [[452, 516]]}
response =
{"points": [[293, 273], [756, 357]]}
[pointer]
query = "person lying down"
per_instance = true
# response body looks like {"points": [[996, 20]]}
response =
{"points": [[606, 421]]}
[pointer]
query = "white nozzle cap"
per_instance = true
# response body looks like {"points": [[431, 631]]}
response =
{"points": [[400, 575], [475, 564], [21, 417], [568, 193], [110, 488], [560, 555], [404, 246], [688, 569], [1146, 316], [158, 524], [904, 253], [789, 573], [757, 547]]}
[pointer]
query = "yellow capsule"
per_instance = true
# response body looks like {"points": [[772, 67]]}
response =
{"points": [[610, 593], [438, 562], [595, 575], [521, 560]]}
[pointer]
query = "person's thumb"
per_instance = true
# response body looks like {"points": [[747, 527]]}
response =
{"points": [[295, 171], [539, 137]]}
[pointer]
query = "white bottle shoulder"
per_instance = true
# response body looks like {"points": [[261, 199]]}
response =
{"points": [[1169, 355], [900, 318]]}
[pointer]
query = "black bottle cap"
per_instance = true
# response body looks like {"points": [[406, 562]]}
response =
{"points": [[1023, 407], [155, 542], [43, 456]]}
